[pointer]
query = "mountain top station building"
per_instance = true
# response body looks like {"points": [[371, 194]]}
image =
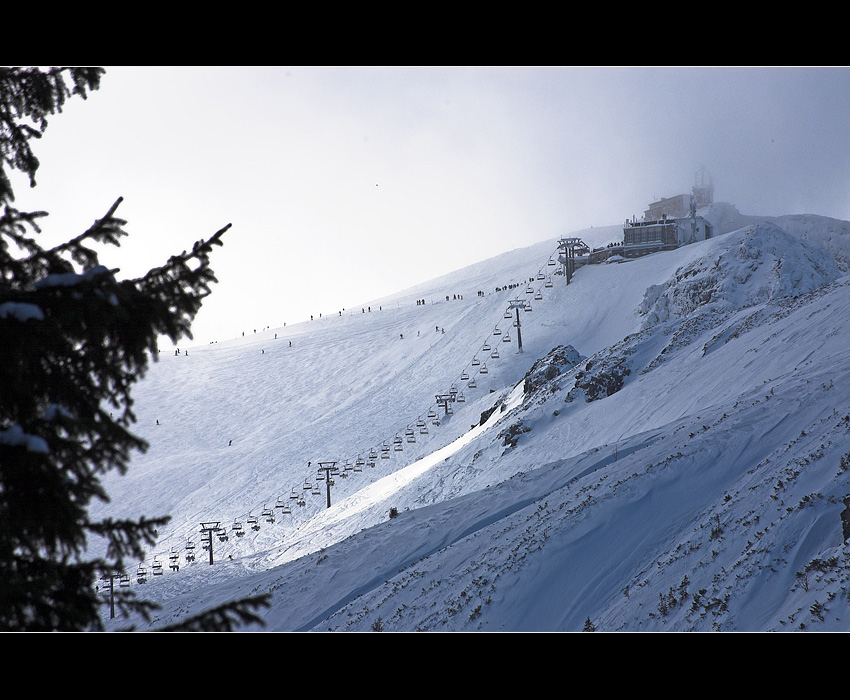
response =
{"points": [[670, 223]]}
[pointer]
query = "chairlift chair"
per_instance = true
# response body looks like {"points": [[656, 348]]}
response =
{"points": [[124, 580], [475, 362], [472, 383], [141, 574], [541, 276], [551, 261], [156, 567], [253, 522], [497, 331], [507, 313], [548, 284], [486, 347], [483, 369], [464, 376], [529, 290], [495, 354], [538, 296], [460, 398]]}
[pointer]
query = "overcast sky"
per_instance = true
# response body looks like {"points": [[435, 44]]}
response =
{"points": [[344, 184]]}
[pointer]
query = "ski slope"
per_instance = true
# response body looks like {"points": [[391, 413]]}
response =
{"points": [[729, 363]]}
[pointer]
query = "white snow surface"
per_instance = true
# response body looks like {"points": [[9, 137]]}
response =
{"points": [[685, 475]]}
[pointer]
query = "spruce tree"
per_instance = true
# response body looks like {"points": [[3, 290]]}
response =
{"points": [[74, 339]]}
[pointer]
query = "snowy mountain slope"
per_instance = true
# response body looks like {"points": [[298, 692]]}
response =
{"points": [[831, 234], [710, 448]]}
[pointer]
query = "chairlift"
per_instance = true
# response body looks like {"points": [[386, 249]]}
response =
{"points": [[423, 429], [293, 494], [385, 451], [548, 284], [307, 485], [460, 398], [472, 383], [222, 535], [358, 467], [283, 505], [174, 557], [253, 522], [432, 413], [540, 275], [347, 467], [124, 581], [483, 369], [156, 567], [141, 574], [497, 331], [464, 376], [373, 454], [495, 354], [538, 296], [507, 313], [551, 261], [237, 528], [268, 514], [320, 475], [529, 290], [527, 307], [475, 362], [486, 347]]}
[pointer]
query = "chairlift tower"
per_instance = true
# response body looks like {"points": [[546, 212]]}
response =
{"points": [[445, 401], [329, 468], [568, 246], [207, 530], [518, 304], [110, 577]]}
